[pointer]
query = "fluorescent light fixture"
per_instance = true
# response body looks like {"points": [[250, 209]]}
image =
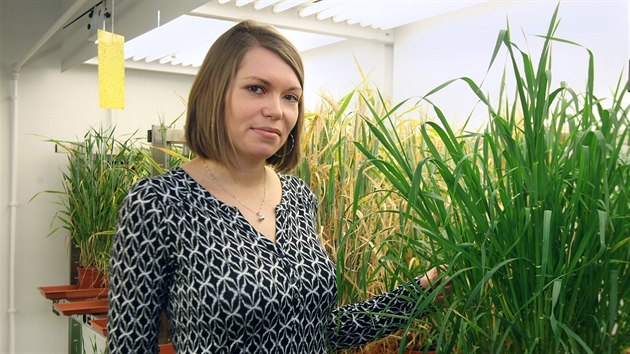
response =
{"points": [[328, 13], [304, 41], [166, 60], [261, 4], [185, 41], [288, 4], [340, 18], [316, 7], [240, 3], [176, 38]]}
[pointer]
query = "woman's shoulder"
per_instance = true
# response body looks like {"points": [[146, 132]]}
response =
{"points": [[170, 185], [296, 186], [293, 182]]}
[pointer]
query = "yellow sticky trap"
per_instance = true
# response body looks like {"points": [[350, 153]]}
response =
{"points": [[111, 70]]}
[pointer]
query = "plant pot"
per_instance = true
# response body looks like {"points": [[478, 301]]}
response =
{"points": [[90, 278], [82, 307], [100, 325], [167, 349], [71, 292]]}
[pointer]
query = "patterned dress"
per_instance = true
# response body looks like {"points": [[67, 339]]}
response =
{"points": [[225, 287]]}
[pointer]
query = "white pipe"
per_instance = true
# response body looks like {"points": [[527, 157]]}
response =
{"points": [[15, 74], [13, 183], [111, 119]]}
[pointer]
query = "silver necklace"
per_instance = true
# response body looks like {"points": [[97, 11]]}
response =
{"points": [[259, 214]]}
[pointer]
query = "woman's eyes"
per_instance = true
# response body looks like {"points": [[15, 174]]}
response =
{"points": [[255, 89], [292, 98]]}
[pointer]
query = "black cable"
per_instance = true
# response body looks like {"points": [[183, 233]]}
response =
{"points": [[83, 14]]}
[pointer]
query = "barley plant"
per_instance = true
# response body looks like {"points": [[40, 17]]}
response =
{"points": [[358, 210], [100, 170], [531, 214], [351, 196]]}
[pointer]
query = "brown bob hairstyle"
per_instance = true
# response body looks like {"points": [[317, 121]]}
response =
{"points": [[206, 132]]}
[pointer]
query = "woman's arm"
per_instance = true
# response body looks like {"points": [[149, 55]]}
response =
{"points": [[138, 268], [357, 324]]}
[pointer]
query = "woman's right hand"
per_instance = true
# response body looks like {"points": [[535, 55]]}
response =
{"points": [[431, 280]]}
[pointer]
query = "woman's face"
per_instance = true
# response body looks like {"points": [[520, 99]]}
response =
{"points": [[261, 105]]}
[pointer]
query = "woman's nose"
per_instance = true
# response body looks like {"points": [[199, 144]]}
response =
{"points": [[273, 108]]}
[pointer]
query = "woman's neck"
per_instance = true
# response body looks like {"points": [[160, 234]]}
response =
{"points": [[240, 175]]}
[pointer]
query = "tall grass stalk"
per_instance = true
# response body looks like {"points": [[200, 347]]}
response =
{"points": [[100, 171], [347, 196], [531, 214], [358, 213]]}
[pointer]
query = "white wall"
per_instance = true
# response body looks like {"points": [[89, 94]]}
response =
{"points": [[332, 70], [4, 190], [458, 44], [44, 111], [55, 105]]}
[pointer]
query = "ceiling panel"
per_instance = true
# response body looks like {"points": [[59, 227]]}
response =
{"points": [[184, 41]]}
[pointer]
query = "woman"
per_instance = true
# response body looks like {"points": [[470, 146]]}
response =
{"points": [[227, 245]]}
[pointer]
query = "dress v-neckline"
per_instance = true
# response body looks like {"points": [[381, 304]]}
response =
{"points": [[234, 209]]}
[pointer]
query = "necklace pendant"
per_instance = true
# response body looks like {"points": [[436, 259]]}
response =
{"points": [[261, 217]]}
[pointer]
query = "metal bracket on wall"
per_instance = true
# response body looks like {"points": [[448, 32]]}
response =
{"points": [[163, 139]]}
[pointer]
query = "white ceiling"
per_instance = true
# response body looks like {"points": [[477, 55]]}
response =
{"points": [[182, 43]]}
